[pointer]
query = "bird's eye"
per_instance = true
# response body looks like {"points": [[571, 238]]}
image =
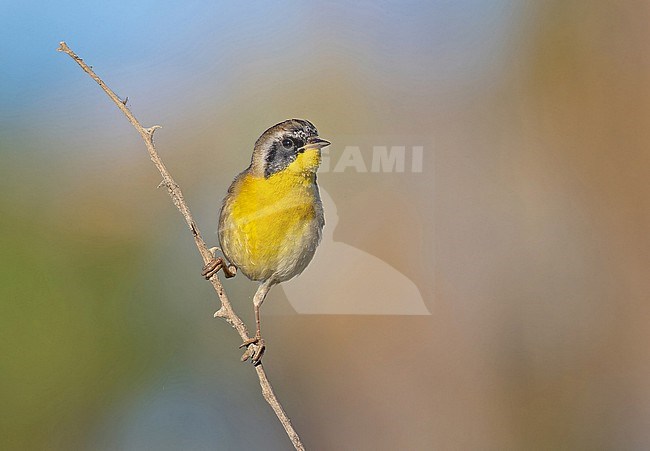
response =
{"points": [[287, 143]]}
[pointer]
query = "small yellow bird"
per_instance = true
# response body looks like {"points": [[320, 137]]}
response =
{"points": [[272, 218]]}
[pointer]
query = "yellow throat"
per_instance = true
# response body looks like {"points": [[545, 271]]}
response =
{"points": [[268, 221]]}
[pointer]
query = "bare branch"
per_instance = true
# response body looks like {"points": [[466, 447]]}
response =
{"points": [[225, 311]]}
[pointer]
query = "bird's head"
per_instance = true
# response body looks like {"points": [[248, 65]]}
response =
{"points": [[292, 145]]}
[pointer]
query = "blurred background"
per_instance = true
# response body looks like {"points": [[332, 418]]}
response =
{"points": [[526, 233]]}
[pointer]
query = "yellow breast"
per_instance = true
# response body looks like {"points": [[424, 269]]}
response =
{"points": [[270, 227]]}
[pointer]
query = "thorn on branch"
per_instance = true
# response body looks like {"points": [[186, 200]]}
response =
{"points": [[152, 129], [124, 102], [220, 313]]}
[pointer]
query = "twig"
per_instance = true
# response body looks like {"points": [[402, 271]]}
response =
{"points": [[225, 311]]}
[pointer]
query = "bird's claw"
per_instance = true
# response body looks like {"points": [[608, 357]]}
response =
{"points": [[213, 266], [255, 348]]}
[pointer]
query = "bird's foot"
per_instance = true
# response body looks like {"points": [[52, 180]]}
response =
{"points": [[255, 348], [213, 266]]}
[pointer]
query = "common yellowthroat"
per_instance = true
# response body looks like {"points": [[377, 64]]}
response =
{"points": [[272, 218]]}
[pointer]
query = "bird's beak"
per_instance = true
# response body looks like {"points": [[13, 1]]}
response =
{"points": [[314, 142]]}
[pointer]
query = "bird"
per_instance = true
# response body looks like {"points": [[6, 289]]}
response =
{"points": [[271, 219]]}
